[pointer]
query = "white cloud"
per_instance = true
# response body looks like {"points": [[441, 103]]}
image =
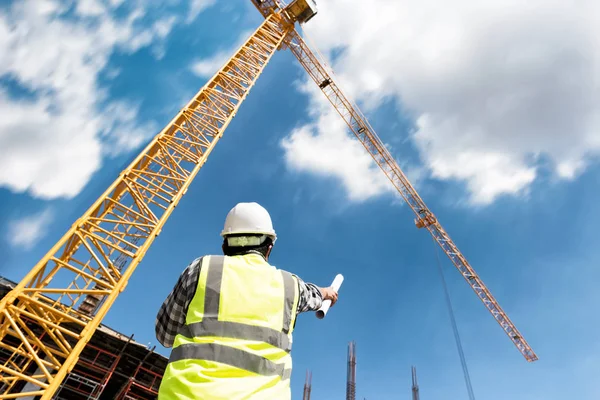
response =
{"points": [[493, 86], [324, 148], [487, 172], [25, 232], [163, 27], [207, 67], [90, 7], [53, 143], [196, 7], [41, 153]]}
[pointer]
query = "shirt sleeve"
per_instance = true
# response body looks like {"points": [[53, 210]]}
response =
{"points": [[172, 314], [310, 297]]}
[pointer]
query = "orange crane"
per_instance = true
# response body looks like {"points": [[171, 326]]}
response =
{"points": [[48, 318]]}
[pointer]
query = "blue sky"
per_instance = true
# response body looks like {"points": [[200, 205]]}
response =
{"points": [[506, 158]]}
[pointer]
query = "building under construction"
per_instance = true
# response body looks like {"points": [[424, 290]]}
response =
{"points": [[111, 366], [114, 366]]}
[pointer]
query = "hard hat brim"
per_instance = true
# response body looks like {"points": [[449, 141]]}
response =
{"points": [[270, 234]]}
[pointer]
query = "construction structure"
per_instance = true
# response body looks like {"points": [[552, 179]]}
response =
{"points": [[307, 386], [70, 290], [415, 385], [111, 366], [351, 372]]}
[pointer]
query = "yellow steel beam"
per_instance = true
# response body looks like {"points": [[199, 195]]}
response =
{"points": [[121, 225]]}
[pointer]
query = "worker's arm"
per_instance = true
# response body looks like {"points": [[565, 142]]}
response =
{"points": [[312, 296], [172, 313]]}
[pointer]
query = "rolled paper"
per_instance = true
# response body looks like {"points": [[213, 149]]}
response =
{"points": [[337, 282]]}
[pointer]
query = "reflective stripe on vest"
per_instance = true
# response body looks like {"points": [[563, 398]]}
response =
{"points": [[210, 326], [231, 356]]}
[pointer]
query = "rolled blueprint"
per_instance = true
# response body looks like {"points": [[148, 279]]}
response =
{"points": [[337, 282]]}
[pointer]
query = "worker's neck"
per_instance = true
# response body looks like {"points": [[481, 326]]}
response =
{"points": [[251, 252]]}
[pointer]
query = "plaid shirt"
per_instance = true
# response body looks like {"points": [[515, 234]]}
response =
{"points": [[172, 313]]}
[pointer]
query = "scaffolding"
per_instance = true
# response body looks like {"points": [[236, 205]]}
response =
{"points": [[111, 365], [91, 373], [144, 383]]}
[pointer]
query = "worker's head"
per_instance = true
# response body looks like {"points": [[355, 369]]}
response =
{"points": [[248, 227]]}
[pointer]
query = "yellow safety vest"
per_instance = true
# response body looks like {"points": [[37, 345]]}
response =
{"points": [[238, 335]]}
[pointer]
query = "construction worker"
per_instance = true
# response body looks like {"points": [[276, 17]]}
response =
{"points": [[230, 318]]}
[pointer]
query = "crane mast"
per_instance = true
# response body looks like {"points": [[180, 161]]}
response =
{"points": [[42, 322], [47, 319]]}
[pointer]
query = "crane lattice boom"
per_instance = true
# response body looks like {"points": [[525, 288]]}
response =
{"points": [[361, 128], [48, 318]]}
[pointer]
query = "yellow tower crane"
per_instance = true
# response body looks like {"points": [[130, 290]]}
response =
{"points": [[48, 318]]}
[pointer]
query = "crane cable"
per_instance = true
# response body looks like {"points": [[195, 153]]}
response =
{"points": [[461, 354]]}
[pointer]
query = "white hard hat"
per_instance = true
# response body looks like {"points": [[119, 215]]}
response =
{"points": [[249, 218]]}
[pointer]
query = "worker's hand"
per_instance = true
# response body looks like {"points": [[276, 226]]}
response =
{"points": [[329, 294]]}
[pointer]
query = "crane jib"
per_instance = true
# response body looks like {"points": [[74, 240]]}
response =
{"points": [[359, 125]]}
